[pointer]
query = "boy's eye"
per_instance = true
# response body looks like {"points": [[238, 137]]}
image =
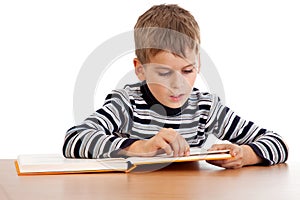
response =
{"points": [[188, 71], [164, 73]]}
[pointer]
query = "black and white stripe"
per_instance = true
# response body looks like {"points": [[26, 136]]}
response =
{"points": [[132, 114]]}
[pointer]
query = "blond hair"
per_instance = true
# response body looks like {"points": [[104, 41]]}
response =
{"points": [[165, 28]]}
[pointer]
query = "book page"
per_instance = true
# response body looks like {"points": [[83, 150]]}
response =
{"points": [[57, 163], [196, 154], [201, 151]]}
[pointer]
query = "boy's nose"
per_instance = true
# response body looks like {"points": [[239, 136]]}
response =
{"points": [[177, 81]]}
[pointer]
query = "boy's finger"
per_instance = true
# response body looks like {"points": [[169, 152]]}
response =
{"points": [[168, 149], [176, 148], [234, 152], [232, 165], [215, 147], [161, 144], [187, 152], [184, 146], [169, 135], [221, 147]]}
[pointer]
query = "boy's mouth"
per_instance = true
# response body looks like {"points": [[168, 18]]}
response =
{"points": [[176, 98]]}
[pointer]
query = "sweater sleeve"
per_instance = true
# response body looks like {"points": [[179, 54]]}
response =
{"points": [[226, 125], [104, 132]]}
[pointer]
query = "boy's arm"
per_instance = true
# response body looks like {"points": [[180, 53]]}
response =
{"points": [[258, 145], [99, 135]]}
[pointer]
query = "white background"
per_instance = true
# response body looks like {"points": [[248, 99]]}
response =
{"points": [[254, 45]]}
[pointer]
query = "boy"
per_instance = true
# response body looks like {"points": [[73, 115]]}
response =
{"points": [[164, 113]]}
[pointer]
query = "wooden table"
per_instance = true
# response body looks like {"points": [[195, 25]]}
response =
{"points": [[195, 180]]}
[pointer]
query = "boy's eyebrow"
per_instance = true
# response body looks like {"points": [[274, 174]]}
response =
{"points": [[158, 66], [192, 64]]}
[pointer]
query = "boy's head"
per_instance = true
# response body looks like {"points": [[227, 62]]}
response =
{"points": [[165, 27], [167, 48]]}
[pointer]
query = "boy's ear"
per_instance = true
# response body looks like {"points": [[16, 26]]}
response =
{"points": [[139, 69]]}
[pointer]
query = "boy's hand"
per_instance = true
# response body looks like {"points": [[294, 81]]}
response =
{"points": [[167, 140], [241, 156]]}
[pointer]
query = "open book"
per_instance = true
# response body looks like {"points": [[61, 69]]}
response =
{"points": [[56, 164]]}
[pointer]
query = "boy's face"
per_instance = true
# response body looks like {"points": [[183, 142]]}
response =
{"points": [[170, 78]]}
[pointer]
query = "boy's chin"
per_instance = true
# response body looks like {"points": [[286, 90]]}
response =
{"points": [[174, 105]]}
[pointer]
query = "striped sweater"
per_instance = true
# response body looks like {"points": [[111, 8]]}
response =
{"points": [[132, 114]]}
